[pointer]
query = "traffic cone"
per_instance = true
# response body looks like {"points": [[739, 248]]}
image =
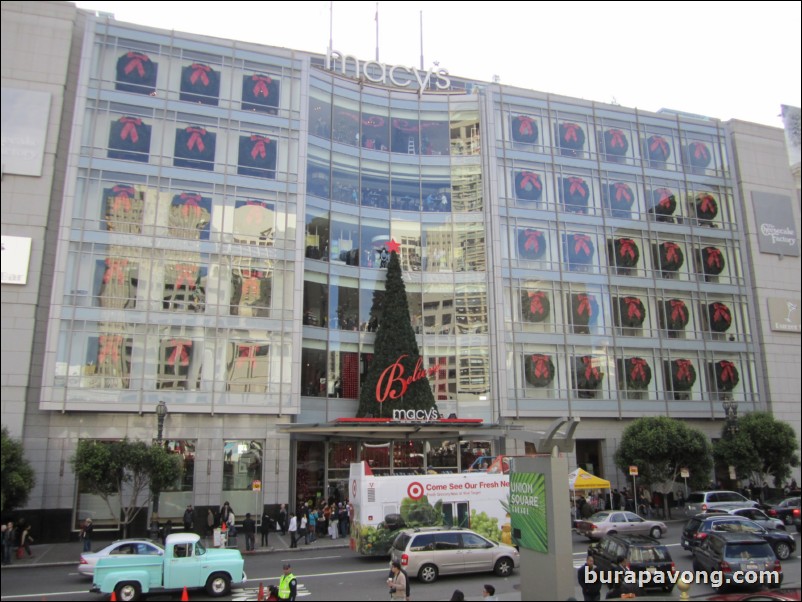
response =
{"points": [[261, 595], [224, 527], [185, 595], [113, 597]]}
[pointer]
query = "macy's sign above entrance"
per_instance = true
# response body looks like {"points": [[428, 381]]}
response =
{"points": [[381, 73]]}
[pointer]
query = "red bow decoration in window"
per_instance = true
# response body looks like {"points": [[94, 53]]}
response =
{"points": [[185, 275], [617, 139], [685, 371], [570, 132], [585, 305], [622, 192], [706, 206], [714, 262], [700, 152], [667, 201], [196, 138], [582, 244], [542, 368], [726, 375], [536, 303], [721, 317], [122, 198], [673, 254], [638, 367], [592, 373], [135, 61], [130, 125], [658, 148], [527, 178], [628, 249], [577, 185], [200, 72], [259, 148], [525, 125], [180, 355], [533, 238], [109, 348], [252, 274], [190, 203], [248, 354], [116, 269], [260, 85], [405, 126], [679, 312], [635, 309]]}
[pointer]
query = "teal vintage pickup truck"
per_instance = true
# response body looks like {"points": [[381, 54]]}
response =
{"points": [[186, 563]]}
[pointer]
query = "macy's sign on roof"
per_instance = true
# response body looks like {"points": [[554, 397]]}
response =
{"points": [[387, 73]]}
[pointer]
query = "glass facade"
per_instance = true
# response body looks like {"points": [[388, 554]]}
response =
{"points": [[224, 240]]}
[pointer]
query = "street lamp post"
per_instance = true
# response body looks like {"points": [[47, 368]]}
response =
{"points": [[161, 412], [731, 413]]}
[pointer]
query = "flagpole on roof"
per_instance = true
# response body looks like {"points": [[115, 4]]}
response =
{"points": [[331, 25], [421, 40], [377, 32]]}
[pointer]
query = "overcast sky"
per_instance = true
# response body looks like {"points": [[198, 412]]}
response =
{"points": [[735, 60]]}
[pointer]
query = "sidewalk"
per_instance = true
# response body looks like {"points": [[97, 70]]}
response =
{"points": [[66, 554]]}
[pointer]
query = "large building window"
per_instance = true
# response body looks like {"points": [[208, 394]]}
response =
{"points": [[242, 465]]}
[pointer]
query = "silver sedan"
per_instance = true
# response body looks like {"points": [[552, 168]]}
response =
{"points": [[609, 522], [140, 547]]}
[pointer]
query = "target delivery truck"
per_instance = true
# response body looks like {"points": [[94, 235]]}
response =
{"points": [[382, 505]]}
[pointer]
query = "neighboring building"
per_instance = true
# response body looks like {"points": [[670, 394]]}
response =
{"points": [[209, 226]]}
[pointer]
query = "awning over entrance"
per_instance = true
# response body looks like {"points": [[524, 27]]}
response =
{"points": [[384, 428]]}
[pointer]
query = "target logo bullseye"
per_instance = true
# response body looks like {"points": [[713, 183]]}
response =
{"points": [[415, 490]]}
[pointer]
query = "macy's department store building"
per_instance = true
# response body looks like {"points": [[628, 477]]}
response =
{"points": [[207, 223]]}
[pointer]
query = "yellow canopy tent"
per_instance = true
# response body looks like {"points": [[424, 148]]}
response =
{"points": [[582, 480]]}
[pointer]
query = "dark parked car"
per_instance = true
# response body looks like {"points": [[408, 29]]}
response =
{"points": [[732, 552], [787, 510], [699, 528], [640, 553]]}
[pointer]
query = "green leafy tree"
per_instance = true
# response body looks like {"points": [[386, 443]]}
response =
{"points": [[762, 447], [660, 447], [125, 470], [17, 474], [395, 342]]}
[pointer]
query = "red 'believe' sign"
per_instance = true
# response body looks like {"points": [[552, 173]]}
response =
{"points": [[394, 374]]}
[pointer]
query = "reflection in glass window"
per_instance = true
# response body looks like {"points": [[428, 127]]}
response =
{"points": [[343, 303], [408, 236], [317, 234], [371, 300], [406, 188], [314, 382], [242, 465], [123, 208], [189, 216], [315, 299], [437, 249], [375, 128], [116, 282], [247, 366], [251, 291], [470, 308], [319, 113], [346, 121], [310, 470], [345, 248], [179, 364], [254, 222], [405, 132], [375, 236], [375, 190], [343, 378], [469, 254], [108, 359], [434, 134], [184, 286], [466, 188], [465, 132], [184, 450]]}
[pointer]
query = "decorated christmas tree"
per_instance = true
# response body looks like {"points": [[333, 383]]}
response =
{"points": [[396, 377]]}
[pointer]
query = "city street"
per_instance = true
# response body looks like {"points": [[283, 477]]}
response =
{"points": [[326, 573]]}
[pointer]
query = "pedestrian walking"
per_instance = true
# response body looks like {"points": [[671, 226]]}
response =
{"points": [[591, 588], [489, 592], [86, 534], [287, 585], [282, 519], [25, 541], [457, 596], [249, 528], [302, 528], [397, 583], [267, 526], [189, 518], [312, 527], [209, 523], [6, 539], [293, 529]]}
